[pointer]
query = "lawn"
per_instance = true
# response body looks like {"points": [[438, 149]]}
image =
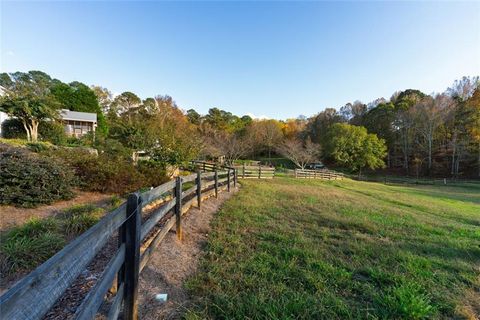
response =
{"points": [[303, 249]]}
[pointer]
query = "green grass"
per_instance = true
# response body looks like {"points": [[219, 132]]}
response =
{"points": [[302, 249], [25, 247]]}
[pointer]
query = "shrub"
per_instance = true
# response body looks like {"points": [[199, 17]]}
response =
{"points": [[13, 129], [28, 179], [53, 132], [79, 219], [29, 245], [102, 173], [154, 172]]}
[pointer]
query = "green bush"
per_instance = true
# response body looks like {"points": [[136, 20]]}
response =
{"points": [[29, 245], [154, 172], [28, 179], [13, 129], [102, 173], [53, 132]]}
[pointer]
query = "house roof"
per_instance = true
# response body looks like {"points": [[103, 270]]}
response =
{"points": [[78, 116]]}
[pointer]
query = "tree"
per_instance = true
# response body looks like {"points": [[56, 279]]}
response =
{"points": [[354, 113], [355, 148], [77, 96], [125, 102], [298, 152], [473, 124], [231, 145], [104, 97], [28, 98], [265, 135], [193, 116], [403, 122], [428, 115], [379, 120], [319, 125]]}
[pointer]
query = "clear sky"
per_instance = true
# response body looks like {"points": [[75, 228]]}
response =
{"points": [[279, 59]]}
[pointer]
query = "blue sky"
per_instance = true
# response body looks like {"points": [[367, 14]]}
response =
{"points": [[279, 59]]}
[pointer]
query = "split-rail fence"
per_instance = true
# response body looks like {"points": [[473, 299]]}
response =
{"points": [[34, 295], [243, 171]]}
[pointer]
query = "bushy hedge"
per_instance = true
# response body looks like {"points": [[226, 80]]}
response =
{"points": [[28, 179], [53, 132], [109, 174], [13, 129]]}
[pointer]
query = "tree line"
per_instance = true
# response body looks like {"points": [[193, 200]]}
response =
{"points": [[410, 133]]}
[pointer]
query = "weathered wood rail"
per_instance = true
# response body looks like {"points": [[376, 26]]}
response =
{"points": [[34, 295], [242, 172], [255, 172], [323, 174]]}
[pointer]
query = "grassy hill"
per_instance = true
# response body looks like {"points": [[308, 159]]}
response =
{"points": [[297, 249]]}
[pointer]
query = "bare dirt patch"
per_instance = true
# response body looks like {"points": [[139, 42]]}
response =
{"points": [[12, 216], [174, 261]]}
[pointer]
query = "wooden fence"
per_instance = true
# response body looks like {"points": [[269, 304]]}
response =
{"points": [[34, 295], [323, 174], [242, 172], [255, 172]]}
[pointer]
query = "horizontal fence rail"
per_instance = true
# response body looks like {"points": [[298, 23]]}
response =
{"points": [[323, 174], [34, 295], [241, 172]]}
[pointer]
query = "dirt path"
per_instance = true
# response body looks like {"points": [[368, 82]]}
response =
{"points": [[12, 216], [174, 261]]}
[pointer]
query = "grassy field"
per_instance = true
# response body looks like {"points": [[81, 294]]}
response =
{"points": [[303, 249]]}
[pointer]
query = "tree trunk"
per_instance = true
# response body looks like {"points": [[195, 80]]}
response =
{"points": [[27, 130], [454, 146], [430, 156], [34, 131]]}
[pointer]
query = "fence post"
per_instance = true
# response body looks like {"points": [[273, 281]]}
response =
{"points": [[259, 171], [132, 255], [234, 177], [295, 172], [178, 206], [204, 167], [228, 179], [199, 189], [216, 183], [243, 174]]}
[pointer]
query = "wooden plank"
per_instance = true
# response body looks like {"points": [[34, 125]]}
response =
{"points": [[199, 190], [156, 241], [222, 180], [156, 216], [208, 175], [117, 303], [178, 207], [153, 194], [132, 256], [216, 184], [188, 192], [206, 185], [89, 307], [189, 178], [35, 294]]}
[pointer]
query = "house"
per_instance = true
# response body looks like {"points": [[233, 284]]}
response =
{"points": [[77, 123]]}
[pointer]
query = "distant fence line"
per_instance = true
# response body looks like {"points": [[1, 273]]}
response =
{"points": [[242, 172], [323, 174], [34, 295]]}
